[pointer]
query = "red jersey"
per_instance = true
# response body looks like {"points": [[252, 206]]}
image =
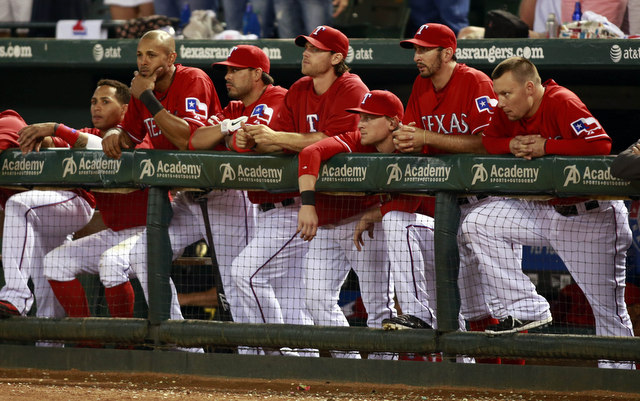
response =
{"points": [[350, 142], [305, 111], [191, 96], [10, 123], [561, 117], [261, 111], [464, 106]]}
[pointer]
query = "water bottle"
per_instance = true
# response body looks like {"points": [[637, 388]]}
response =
{"points": [[250, 23], [577, 12], [552, 26], [185, 15]]}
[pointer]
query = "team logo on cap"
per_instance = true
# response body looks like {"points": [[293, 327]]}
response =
{"points": [[318, 30], [422, 28], [366, 96]]}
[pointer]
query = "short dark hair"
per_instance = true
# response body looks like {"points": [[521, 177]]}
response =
{"points": [[267, 79], [522, 69], [123, 94]]}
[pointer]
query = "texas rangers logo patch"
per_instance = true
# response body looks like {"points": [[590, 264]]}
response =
{"points": [[485, 103], [196, 106], [262, 112], [588, 125]]}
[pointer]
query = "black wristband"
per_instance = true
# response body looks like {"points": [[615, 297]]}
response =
{"points": [[308, 197], [55, 129], [151, 103]]}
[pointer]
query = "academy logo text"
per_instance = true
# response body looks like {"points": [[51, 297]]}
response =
{"points": [[508, 175], [15, 51], [493, 53], [90, 166], [220, 53], [412, 173], [22, 167], [591, 176], [179, 170], [343, 173], [257, 174]]}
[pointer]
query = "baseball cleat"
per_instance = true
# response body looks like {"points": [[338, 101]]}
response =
{"points": [[512, 325], [405, 322], [8, 310]]}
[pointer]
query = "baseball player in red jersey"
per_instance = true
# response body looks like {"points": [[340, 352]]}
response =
{"points": [[535, 119], [313, 109], [169, 103], [257, 101], [380, 113], [449, 106], [169, 100], [38, 221], [85, 255]]}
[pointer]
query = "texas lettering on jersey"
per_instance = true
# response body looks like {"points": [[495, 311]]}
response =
{"points": [[446, 123]]}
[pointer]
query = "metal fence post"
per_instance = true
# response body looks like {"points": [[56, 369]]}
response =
{"points": [[447, 219], [159, 254]]}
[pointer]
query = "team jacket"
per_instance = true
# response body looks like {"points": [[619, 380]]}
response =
{"points": [[191, 96], [309, 163], [463, 106], [561, 117]]}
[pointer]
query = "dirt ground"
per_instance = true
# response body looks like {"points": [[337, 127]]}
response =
{"points": [[30, 384]]}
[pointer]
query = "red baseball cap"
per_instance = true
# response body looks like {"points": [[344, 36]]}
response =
{"points": [[432, 35], [247, 56], [326, 38], [380, 103]]}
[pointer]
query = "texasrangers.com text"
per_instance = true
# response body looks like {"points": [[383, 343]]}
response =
{"points": [[15, 51], [493, 53]]}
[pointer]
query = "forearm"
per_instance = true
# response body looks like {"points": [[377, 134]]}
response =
{"points": [[295, 141], [455, 143], [205, 138], [174, 128], [307, 182]]}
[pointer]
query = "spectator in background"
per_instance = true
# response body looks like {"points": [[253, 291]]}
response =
{"points": [[452, 13], [128, 9], [297, 17], [14, 11], [234, 11], [173, 8]]}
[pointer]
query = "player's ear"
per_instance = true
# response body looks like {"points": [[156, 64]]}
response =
{"points": [[172, 57], [123, 111], [529, 87], [336, 58], [447, 54]]}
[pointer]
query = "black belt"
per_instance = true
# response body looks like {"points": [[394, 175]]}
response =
{"points": [[465, 200], [572, 210], [265, 207]]}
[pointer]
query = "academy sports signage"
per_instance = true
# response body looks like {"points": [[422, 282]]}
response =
{"points": [[63, 167], [374, 173]]}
